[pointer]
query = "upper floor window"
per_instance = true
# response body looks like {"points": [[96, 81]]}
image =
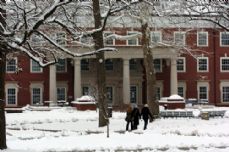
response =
{"points": [[35, 67], [181, 64], [61, 38], [157, 65], [202, 64], [224, 39], [133, 41], [224, 64], [87, 39], [11, 65], [109, 65], [108, 40], [156, 36], [61, 65], [179, 38], [133, 64], [202, 39], [85, 64]]}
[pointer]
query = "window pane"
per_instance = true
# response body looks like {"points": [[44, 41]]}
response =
{"points": [[224, 38], [61, 38], [61, 65], [158, 93], [85, 90], [179, 38], [202, 64], [11, 65], [133, 94], [225, 64], [180, 91], [109, 65], [11, 96], [202, 39], [61, 94], [180, 65], [109, 94], [35, 67], [36, 95], [132, 41], [202, 92], [155, 37], [108, 41], [133, 64], [85, 64], [157, 65], [225, 94]]}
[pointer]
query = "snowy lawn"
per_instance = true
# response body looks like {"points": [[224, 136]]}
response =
{"points": [[69, 130]]}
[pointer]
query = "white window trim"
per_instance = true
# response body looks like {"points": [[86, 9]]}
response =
{"points": [[183, 84], [202, 84], [198, 39], [223, 84], [65, 67], [16, 62], [151, 36], [113, 40], [184, 60], [137, 40], [198, 58], [221, 39], [14, 86], [36, 85], [221, 70], [31, 67], [62, 85], [184, 38]]}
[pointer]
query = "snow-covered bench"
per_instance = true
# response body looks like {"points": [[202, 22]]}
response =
{"points": [[176, 113]]}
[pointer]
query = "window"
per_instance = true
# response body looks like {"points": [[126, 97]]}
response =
{"points": [[158, 93], [107, 40], [224, 64], [203, 89], [109, 65], [61, 65], [181, 64], [61, 38], [85, 64], [11, 96], [132, 41], [225, 93], [202, 39], [109, 94], [36, 96], [202, 64], [179, 38], [11, 65], [35, 67], [203, 92], [87, 39], [156, 36], [224, 39], [133, 94], [133, 64], [85, 90], [180, 91], [157, 65], [61, 93]]}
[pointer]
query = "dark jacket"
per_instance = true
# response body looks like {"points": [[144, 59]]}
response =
{"points": [[136, 116], [145, 113]]}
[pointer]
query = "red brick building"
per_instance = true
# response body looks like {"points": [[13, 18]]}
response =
{"points": [[196, 68]]}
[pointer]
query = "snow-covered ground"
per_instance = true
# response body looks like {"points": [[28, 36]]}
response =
{"points": [[69, 130]]}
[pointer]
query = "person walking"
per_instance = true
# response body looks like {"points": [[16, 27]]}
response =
{"points": [[135, 117], [145, 113], [129, 118]]}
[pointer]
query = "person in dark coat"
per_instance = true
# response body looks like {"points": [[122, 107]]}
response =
{"points": [[135, 117], [129, 118], [145, 113]]}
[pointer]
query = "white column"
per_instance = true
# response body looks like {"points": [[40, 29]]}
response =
{"points": [[77, 79], [173, 77], [52, 83], [126, 81]]}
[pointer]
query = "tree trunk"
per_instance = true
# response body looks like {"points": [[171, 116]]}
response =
{"points": [[101, 77], [149, 68], [2, 97], [2, 86]]}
